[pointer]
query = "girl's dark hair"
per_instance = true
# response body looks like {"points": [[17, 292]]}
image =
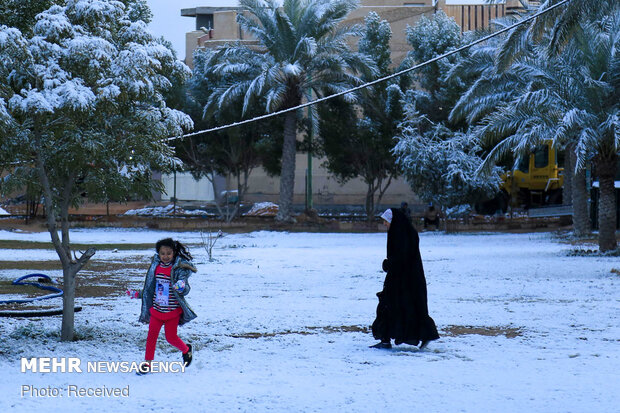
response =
{"points": [[178, 248]]}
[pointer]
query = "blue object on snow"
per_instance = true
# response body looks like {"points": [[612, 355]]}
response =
{"points": [[57, 291]]}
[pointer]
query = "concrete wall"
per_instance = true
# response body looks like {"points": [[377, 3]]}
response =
{"points": [[400, 14], [325, 189], [398, 17], [225, 30], [187, 188], [472, 14]]}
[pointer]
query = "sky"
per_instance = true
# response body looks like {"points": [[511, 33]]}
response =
{"points": [[168, 22]]}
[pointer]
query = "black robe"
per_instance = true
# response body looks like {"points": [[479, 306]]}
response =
{"points": [[402, 313]]}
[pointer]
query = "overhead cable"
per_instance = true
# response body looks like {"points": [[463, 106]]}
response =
{"points": [[374, 82]]}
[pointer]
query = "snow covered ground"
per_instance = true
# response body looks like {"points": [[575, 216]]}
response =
{"points": [[283, 326]]}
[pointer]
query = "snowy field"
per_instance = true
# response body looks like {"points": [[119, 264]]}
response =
{"points": [[283, 326]]}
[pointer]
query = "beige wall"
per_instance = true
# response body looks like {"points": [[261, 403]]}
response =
{"points": [[477, 14], [326, 190], [187, 188], [398, 18], [397, 13], [473, 16], [225, 30], [192, 42]]}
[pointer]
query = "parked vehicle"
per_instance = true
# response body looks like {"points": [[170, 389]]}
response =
{"points": [[537, 181]]}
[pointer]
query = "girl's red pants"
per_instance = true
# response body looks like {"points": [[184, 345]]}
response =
{"points": [[170, 321]]}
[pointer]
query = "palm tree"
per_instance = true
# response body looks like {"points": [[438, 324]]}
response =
{"points": [[571, 99], [565, 24], [561, 24], [302, 49], [357, 140], [497, 87]]}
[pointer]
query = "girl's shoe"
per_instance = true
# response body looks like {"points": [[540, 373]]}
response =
{"points": [[187, 357], [144, 368], [382, 344]]}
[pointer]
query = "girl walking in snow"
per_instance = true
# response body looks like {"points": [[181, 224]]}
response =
{"points": [[163, 298]]}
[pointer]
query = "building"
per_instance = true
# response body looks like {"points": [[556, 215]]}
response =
{"points": [[216, 26]]}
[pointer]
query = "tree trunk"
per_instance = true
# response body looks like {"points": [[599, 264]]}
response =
{"points": [[370, 202], [569, 172], [382, 190], [606, 169], [68, 303], [581, 218], [242, 188], [287, 175], [70, 267], [216, 195], [68, 270]]}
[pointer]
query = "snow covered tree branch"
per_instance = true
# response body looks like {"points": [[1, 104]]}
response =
{"points": [[82, 110]]}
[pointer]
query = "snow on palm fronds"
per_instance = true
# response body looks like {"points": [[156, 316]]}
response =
{"points": [[565, 99], [302, 52], [441, 165], [300, 44]]}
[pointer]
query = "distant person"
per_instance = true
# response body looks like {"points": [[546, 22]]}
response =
{"points": [[404, 207], [402, 312], [431, 216], [163, 298]]}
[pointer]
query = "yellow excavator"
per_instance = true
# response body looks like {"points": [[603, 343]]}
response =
{"points": [[537, 181]]}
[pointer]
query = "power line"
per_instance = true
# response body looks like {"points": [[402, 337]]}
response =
{"points": [[374, 82]]}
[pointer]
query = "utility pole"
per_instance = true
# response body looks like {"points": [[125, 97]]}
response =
{"points": [[174, 196], [309, 205], [309, 173]]}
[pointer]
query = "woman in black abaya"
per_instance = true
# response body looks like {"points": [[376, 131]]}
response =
{"points": [[402, 313]]}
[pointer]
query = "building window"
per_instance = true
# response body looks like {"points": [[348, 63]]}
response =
{"points": [[204, 20]]}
